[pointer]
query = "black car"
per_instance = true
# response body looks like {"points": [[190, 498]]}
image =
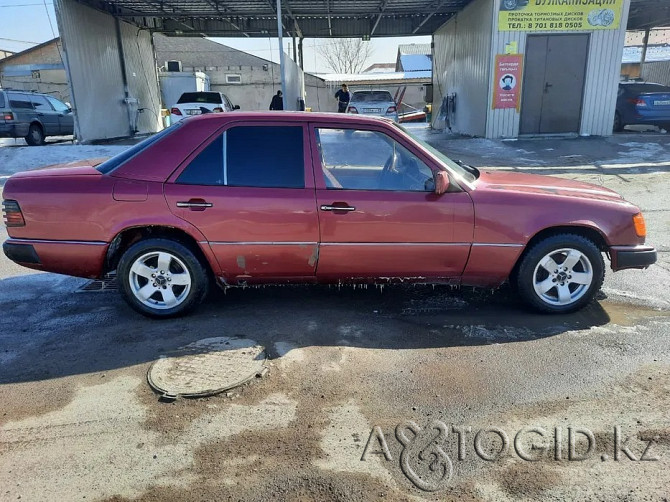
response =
{"points": [[33, 116], [642, 103]]}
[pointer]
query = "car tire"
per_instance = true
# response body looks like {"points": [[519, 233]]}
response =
{"points": [[35, 136], [560, 274], [618, 123], [180, 279], [509, 4]]}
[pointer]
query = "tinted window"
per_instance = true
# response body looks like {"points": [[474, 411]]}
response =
{"points": [[41, 104], [213, 98], [59, 106], [207, 167], [20, 101], [369, 96], [260, 156], [2, 100], [256, 156], [110, 164]]}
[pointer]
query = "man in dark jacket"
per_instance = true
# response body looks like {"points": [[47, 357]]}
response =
{"points": [[277, 102], [343, 97]]}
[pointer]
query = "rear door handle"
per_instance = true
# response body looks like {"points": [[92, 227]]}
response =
{"points": [[195, 204], [337, 208]]}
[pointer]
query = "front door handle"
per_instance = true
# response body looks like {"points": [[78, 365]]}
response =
{"points": [[547, 85], [195, 204], [337, 208]]}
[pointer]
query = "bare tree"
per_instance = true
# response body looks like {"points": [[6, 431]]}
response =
{"points": [[345, 55]]}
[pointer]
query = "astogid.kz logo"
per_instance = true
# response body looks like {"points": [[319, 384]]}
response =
{"points": [[425, 462]]}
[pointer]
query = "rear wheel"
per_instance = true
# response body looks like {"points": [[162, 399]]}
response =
{"points": [[561, 273], [35, 135], [161, 278]]}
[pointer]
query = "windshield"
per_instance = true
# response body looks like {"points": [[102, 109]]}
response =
{"points": [[464, 171]]}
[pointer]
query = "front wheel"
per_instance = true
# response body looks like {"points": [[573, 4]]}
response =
{"points": [[161, 278], [561, 273]]}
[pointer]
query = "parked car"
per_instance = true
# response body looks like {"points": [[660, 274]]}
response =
{"points": [[197, 103], [329, 198], [642, 103], [33, 116], [377, 103]]}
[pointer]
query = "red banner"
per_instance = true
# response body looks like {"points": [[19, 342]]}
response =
{"points": [[507, 81]]}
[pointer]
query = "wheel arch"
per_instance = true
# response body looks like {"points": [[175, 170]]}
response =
{"points": [[129, 236], [592, 233]]}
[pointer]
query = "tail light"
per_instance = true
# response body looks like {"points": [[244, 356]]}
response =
{"points": [[12, 214], [392, 109], [640, 225], [175, 111], [8, 116], [352, 109], [218, 109], [637, 101]]}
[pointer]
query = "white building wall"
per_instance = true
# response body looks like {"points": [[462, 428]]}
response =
{"points": [[603, 67], [95, 75], [461, 65]]}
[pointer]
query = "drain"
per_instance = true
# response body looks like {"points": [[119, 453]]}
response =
{"points": [[108, 283], [207, 367]]}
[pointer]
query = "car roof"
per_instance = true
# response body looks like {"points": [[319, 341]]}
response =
{"points": [[291, 116]]}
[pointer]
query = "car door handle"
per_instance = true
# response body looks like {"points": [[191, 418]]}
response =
{"points": [[195, 204], [337, 208], [40, 115]]}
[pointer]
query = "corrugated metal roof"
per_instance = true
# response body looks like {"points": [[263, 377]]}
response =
{"points": [[358, 78], [414, 49], [307, 18], [416, 62]]}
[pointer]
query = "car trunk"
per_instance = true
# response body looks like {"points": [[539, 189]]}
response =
{"points": [[655, 100]]}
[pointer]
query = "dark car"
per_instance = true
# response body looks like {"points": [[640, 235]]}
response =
{"points": [[33, 116], [642, 103], [256, 198]]}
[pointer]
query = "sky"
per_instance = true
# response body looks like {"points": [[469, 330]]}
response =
{"points": [[24, 23]]}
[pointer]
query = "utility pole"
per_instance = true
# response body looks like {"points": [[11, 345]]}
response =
{"points": [[281, 53]]}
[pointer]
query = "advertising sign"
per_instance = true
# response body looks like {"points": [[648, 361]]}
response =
{"points": [[559, 15], [507, 83]]}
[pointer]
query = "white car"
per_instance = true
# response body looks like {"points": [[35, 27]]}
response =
{"points": [[197, 103], [379, 103]]}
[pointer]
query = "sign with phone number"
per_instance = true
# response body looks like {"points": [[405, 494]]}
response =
{"points": [[559, 15]]}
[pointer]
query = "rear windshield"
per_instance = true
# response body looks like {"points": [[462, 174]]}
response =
{"points": [[643, 88], [368, 96], [2, 99], [110, 164], [213, 98]]}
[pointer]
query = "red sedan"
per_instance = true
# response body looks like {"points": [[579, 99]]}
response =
{"points": [[249, 198]]}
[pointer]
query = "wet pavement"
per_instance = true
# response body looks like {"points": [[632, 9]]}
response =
{"points": [[402, 392]]}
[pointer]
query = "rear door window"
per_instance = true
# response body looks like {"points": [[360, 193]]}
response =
{"points": [[251, 156], [40, 103], [2, 100]]}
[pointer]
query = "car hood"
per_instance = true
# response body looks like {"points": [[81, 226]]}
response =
{"points": [[541, 184], [78, 167]]}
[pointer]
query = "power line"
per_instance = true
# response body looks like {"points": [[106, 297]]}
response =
{"points": [[23, 5], [20, 41]]}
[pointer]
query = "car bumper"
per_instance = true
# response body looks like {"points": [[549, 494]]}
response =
{"points": [[77, 258], [624, 257], [13, 130]]}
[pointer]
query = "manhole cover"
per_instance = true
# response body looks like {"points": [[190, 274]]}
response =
{"points": [[207, 367]]}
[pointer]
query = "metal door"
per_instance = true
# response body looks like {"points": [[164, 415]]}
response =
{"points": [[553, 84]]}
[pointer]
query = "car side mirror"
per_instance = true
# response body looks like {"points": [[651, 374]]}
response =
{"points": [[236, 107], [441, 180]]}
